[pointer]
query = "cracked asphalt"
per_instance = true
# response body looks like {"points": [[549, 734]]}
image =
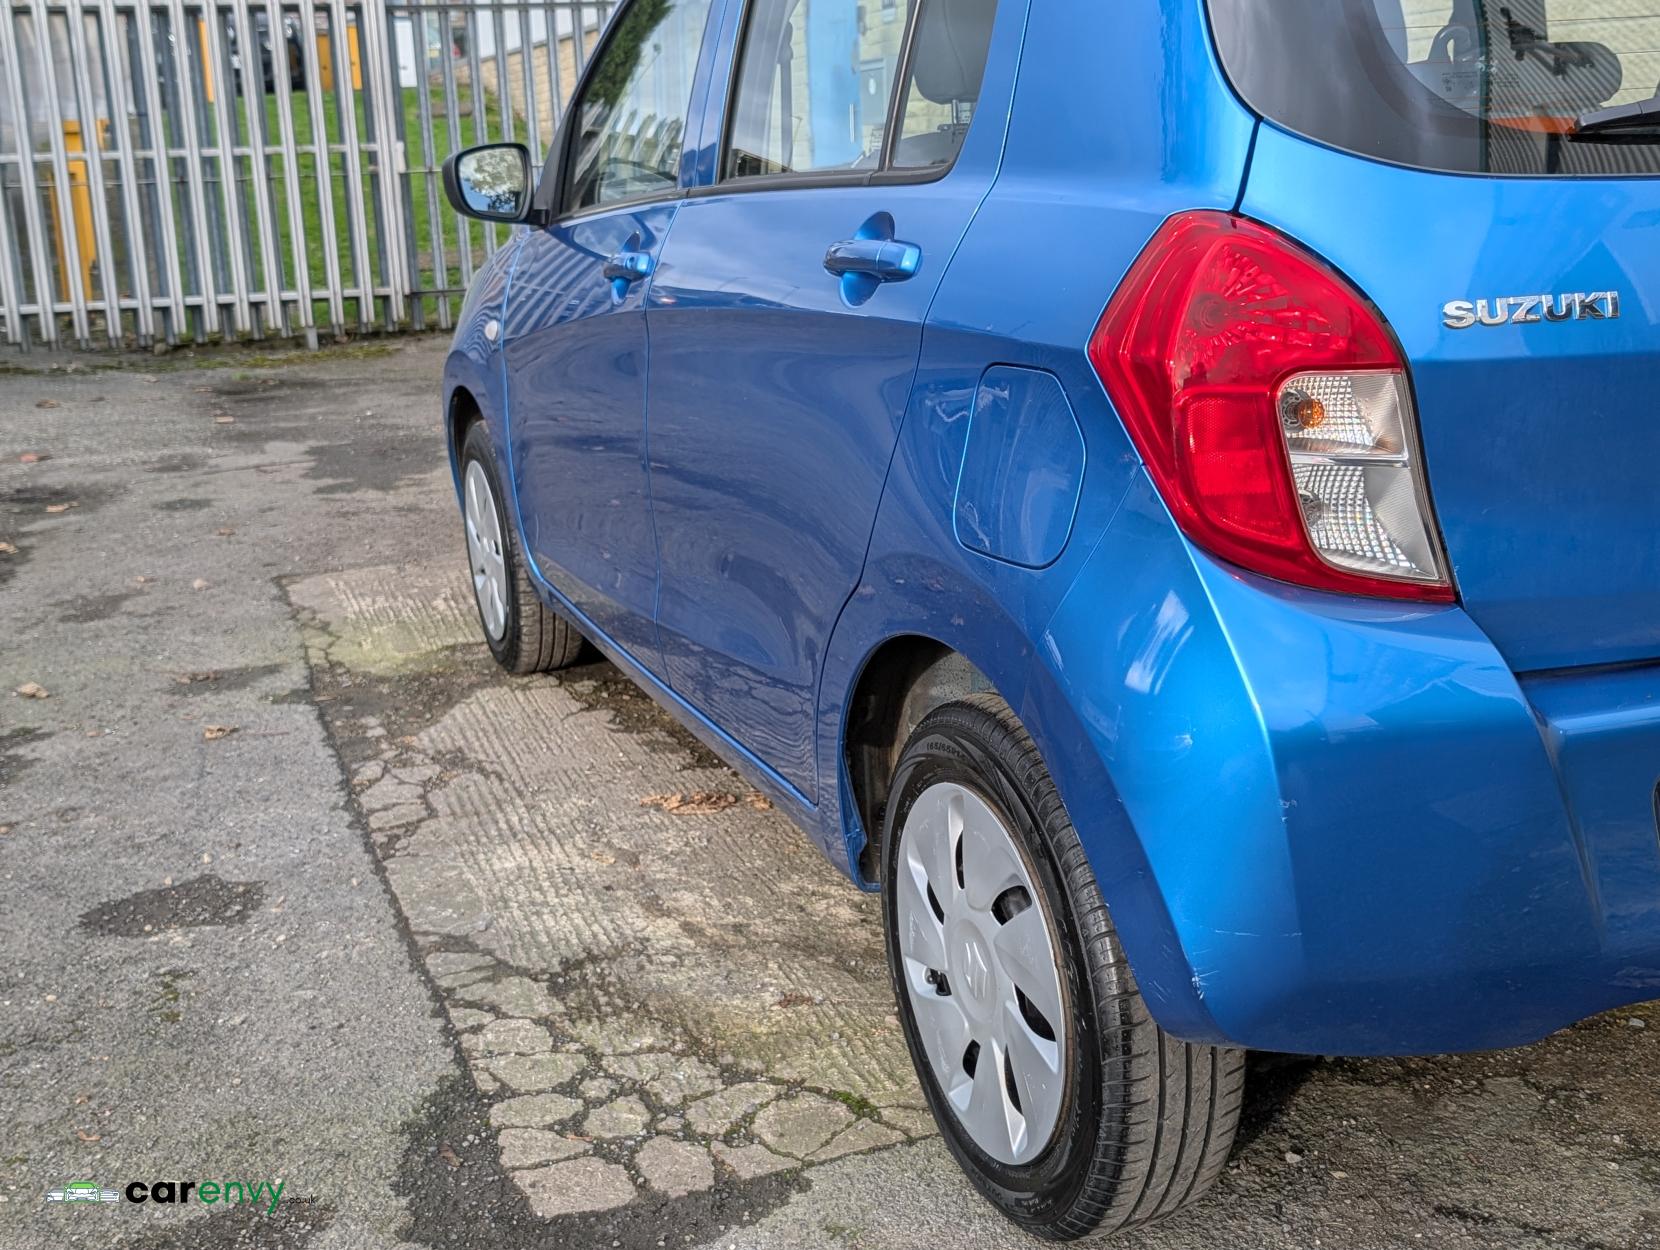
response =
{"points": [[295, 884]]}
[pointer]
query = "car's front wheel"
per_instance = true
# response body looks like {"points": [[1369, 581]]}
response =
{"points": [[525, 635], [1067, 1106]]}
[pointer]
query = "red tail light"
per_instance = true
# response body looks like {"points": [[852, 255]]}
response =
{"points": [[1269, 403]]}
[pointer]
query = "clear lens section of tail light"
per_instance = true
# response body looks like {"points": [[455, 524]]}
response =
{"points": [[1357, 473]]}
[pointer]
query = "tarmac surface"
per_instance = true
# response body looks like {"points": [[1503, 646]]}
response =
{"points": [[295, 884]]}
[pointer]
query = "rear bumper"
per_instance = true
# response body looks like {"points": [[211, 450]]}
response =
{"points": [[1355, 830]]}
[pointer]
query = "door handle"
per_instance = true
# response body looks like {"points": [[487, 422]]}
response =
{"points": [[628, 267], [885, 260]]}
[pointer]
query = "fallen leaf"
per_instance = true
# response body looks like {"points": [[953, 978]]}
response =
{"points": [[47, 403], [6, 549], [212, 733], [191, 679], [447, 1155], [602, 857], [758, 801], [34, 457], [88, 1137], [63, 507], [795, 999], [33, 690], [695, 803], [201, 583]]}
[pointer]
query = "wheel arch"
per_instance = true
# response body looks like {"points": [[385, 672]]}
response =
{"points": [[902, 673], [903, 680], [462, 410], [472, 392]]}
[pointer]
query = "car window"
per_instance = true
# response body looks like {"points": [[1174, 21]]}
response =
{"points": [[947, 68], [631, 119], [814, 85], [1473, 86], [815, 80]]}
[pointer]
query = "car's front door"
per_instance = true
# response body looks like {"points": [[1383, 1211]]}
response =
{"points": [[574, 332], [786, 324]]}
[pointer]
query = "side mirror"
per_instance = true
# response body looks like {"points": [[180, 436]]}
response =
{"points": [[490, 182]]}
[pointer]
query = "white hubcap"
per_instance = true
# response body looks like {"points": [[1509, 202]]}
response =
{"points": [[981, 973], [484, 552]]}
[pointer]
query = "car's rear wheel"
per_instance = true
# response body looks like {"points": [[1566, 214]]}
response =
{"points": [[525, 635], [1066, 1105]]}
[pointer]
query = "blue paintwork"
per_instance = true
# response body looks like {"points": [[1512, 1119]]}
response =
{"points": [[474, 365], [575, 347], [1322, 824], [776, 401], [1526, 428], [1022, 468]]}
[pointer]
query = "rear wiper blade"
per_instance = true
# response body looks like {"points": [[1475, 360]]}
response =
{"points": [[1624, 123]]}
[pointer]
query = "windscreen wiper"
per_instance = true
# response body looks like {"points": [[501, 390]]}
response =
{"points": [[1624, 123]]}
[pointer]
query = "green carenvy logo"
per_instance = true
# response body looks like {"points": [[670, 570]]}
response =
{"points": [[257, 1194]]}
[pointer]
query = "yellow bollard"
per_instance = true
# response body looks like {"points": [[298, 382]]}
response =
{"points": [[351, 55], [80, 211], [326, 63], [207, 76]]}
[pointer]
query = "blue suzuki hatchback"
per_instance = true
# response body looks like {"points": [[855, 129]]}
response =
{"points": [[1156, 488]]}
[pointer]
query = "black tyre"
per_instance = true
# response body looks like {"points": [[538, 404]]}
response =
{"points": [[525, 635], [1089, 1118]]}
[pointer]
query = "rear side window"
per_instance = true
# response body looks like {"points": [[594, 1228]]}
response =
{"points": [[815, 88], [947, 69], [632, 114], [1469, 86]]}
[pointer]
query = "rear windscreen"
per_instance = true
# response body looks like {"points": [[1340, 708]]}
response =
{"points": [[1472, 86]]}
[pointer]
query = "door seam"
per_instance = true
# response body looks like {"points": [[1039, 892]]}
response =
{"points": [[645, 454], [821, 782]]}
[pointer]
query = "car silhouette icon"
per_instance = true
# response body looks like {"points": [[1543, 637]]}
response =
{"points": [[82, 1191]]}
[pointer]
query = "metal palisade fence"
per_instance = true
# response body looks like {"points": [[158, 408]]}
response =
{"points": [[176, 172]]}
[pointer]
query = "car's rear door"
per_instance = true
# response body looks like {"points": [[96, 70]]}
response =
{"points": [[858, 138], [574, 335]]}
